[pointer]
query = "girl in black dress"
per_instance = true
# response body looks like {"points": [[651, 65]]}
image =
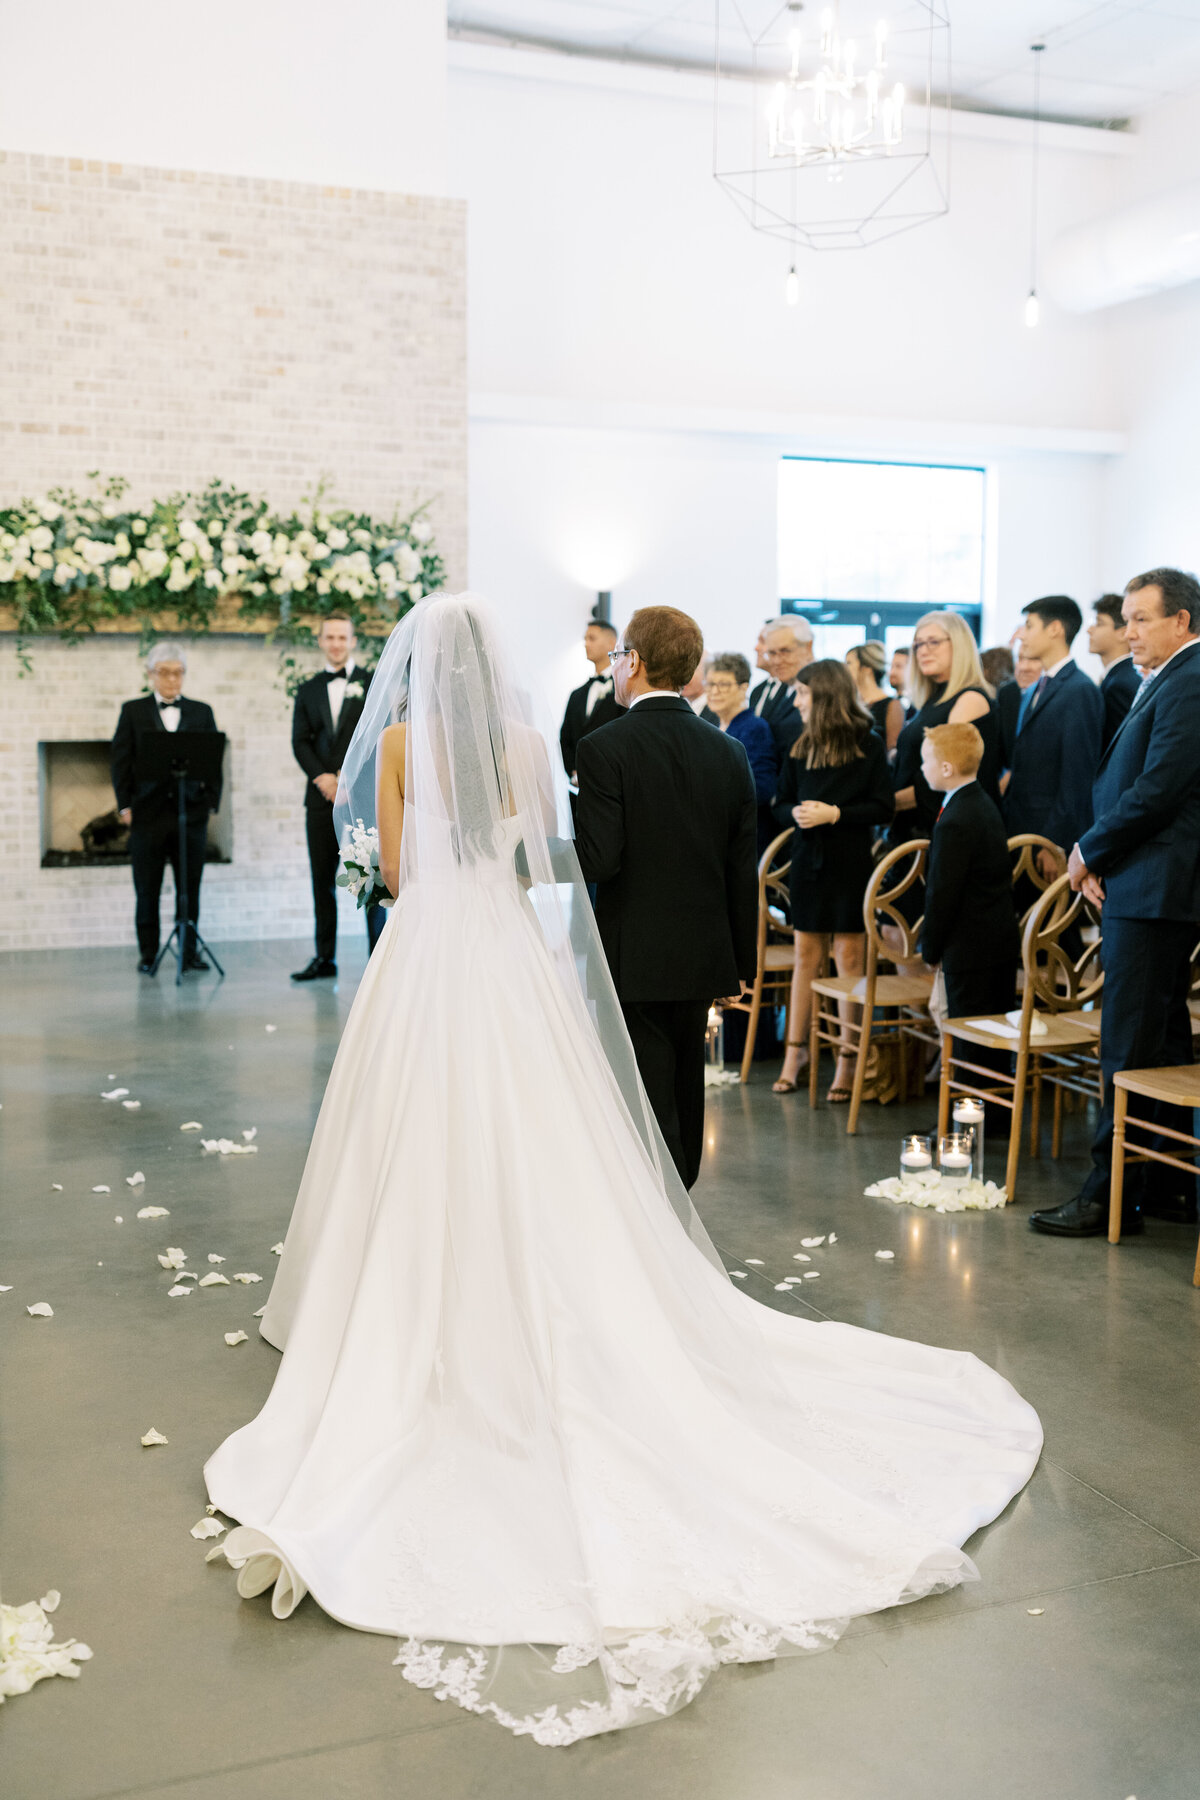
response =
{"points": [[834, 787], [866, 664]]}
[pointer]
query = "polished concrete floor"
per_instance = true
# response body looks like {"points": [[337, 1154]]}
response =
{"points": [[1070, 1672]]}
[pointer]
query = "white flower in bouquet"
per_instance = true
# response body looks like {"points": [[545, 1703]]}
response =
{"points": [[354, 690], [337, 538], [213, 578], [186, 551], [203, 549], [96, 554], [156, 541], [188, 530], [50, 512], [416, 591], [322, 585], [122, 545], [408, 562], [63, 576], [359, 873], [120, 578], [138, 527], [260, 543], [420, 531], [215, 528], [109, 510], [42, 559], [153, 562], [361, 537], [293, 568], [179, 578], [41, 537]]}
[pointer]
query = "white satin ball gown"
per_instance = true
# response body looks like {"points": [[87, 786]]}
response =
{"points": [[522, 1422]]}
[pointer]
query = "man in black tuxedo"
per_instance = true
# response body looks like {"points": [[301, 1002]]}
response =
{"points": [[666, 829], [1057, 748], [787, 648], [328, 707], [594, 703], [1140, 860], [1120, 681], [151, 809]]}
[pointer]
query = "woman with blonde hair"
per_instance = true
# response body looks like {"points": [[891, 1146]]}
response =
{"points": [[834, 788], [947, 687], [866, 664]]}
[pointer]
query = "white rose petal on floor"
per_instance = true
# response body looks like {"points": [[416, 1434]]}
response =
{"points": [[927, 1189], [28, 1652], [153, 1437]]}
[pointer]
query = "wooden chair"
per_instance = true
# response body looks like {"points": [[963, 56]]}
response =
{"points": [[1023, 849], [776, 946], [902, 999], [1055, 986], [1176, 1087]]}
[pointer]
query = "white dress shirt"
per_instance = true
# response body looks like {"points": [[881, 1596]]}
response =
{"points": [[655, 694], [599, 688], [337, 689], [169, 713]]}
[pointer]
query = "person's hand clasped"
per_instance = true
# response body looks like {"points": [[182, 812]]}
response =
{"points": [[126, 815], [1047, 862], [815, 812], [1083, 881], [326, 786]]}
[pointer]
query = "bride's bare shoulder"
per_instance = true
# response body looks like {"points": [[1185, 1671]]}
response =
{"points": [[392, 740]]}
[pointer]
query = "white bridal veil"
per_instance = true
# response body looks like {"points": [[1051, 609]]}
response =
{"points": [[480, 770]]}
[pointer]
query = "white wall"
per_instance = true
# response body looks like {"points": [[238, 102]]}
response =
{"points": [[292, 90], [636, 375]]}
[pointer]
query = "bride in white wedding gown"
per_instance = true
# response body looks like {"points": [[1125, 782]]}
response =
{"points": [[523, 1421]]}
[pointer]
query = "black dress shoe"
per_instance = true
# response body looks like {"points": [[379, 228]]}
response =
{"points": [[1176, 1209], [319, 969], [197, 962], [146, 966], [1082, 1217]]}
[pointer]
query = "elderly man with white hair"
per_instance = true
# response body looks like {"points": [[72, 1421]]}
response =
{"points": [[150, 808], [787, 647]]}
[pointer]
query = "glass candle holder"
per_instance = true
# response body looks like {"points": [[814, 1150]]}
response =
{"points": [[954, 1157], [969, 1116], [714, 1041], [916, 1155]]}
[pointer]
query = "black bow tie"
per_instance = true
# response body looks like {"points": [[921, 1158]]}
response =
{"points": [[602, 679], [328, 675], [163, 704]]}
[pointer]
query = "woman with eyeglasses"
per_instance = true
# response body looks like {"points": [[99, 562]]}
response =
{"points": [[728, 687], [834, 788], [947, 687]]}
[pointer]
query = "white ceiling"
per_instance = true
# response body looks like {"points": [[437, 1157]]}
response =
{"points": [[1105, 60]]}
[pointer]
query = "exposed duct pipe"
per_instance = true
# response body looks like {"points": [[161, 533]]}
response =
{"points": [[1142, 249]]}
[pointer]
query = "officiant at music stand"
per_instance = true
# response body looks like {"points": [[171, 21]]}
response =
{"points": [[147, 800], [328, 707]]}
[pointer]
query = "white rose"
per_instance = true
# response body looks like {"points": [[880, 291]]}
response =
{"points": [[416, 591], [156, 541], [187, 530], [293, 569], [386, 576], [138, 527], [232, 566], [408, 562], [153, 561], [41, 538], [63, 576], [6, 571], [50, 513], [306, 543], [277, 586], [42, 559], [120, 577], [95, 554], [260, 543], [337, 538], [213, 578], [203, 550], [179, 578], [215, 528], [420, 531], [121, 545], [322, 585]]}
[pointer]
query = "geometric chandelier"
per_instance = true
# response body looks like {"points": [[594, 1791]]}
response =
{"points": [[831, 121]]}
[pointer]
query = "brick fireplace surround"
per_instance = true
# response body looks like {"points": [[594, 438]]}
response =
{"points": [[171, 327]]}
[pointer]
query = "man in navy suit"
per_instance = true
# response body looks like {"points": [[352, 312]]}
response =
{"points": [[1140, 860], [1120, 681], [1057, 747], [787, 648]]}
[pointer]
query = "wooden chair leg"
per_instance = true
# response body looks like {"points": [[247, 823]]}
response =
{"points": [[1196, 1270], [860, 1070], [903, 1052], [1116, 1185], [814, 1046], [944, 1088], [1035, 1112], [1020, 1083], [752, 1028], [1056, 1130]]}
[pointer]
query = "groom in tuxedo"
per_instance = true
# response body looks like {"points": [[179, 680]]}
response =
{"points": [[592, 704], [328, 707], [666, 829]]}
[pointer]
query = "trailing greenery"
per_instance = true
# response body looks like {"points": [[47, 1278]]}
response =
{"points": [[71, 562]]}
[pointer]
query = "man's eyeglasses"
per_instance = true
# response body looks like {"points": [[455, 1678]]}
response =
{"points": [[613, 654]]}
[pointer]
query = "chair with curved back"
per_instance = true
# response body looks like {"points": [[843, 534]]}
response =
{"points": [[1024, 848], [1063, 1053], [901, 999], [776, 946]]}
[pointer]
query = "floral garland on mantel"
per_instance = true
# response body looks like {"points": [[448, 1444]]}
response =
{"points": [[74, 564]]}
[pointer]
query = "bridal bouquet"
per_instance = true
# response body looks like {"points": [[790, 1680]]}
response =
{"points": [[359, 873]]}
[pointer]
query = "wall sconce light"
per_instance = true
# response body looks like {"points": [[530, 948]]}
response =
{"points": [[602, 611]]}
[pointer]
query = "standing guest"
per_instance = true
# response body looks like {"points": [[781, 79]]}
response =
{"points": [[1120, 681], [1057, 748], [666, 808], [898, 674], [834, 787], [865, 663], [729, 706], [1000, 674], [788, 648], [328, 707], [593, 703], [696, 691], [1140, 861], [970, 928], [151, 808], [947, 688]]}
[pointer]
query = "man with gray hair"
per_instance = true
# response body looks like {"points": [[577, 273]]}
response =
{"points": [[150, 808], [787, 648]]}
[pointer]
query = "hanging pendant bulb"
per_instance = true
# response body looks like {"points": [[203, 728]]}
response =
{"points": [[1033, 311], [792, 287]]}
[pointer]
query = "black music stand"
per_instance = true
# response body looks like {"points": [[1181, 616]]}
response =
{"points": [[182, 757]]}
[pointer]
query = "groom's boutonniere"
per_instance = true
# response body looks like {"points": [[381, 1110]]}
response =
{"points": [[354, 690]]}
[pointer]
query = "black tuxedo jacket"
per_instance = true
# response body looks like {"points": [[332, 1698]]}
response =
{"points": [[317, 747], [667, 831], [779, 711], [970, 919], [1008, 705], [1055, 758], [1145, 843], [1117, 690], [577, 721], [151, 800]]}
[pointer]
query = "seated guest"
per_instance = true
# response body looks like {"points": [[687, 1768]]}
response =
{"points": [[593, 703], [970, 929], [947, 688], [1057, 747], [865, 663], [834, 788], [788, 648], [1140, 861], [729, 707], [151, 808], [1120, 681]]}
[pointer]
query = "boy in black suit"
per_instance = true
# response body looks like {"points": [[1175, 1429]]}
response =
{"points": [[328, 707], [667, 828], [1057, 748], [151, 811], [970, 926]]}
